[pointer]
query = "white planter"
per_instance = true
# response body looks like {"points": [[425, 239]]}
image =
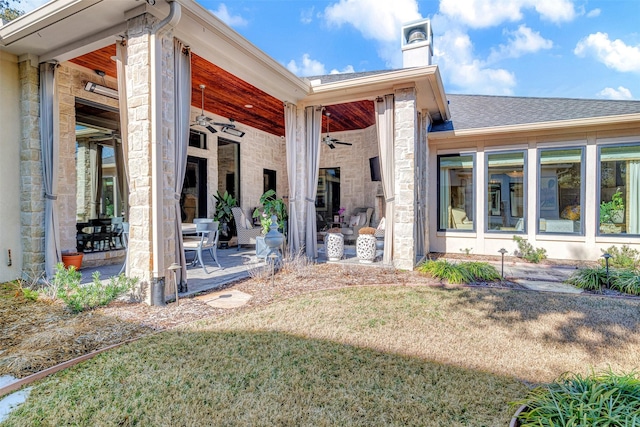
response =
{"points": [[366, 248], [617, 217], [334, 246]]}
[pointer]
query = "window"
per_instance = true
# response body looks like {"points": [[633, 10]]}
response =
{"points": [[560, 192], [619, 207], [455, 192], [197, 139], [506, 192]]}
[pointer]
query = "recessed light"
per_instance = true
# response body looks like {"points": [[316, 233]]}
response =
{"points": [[248, 106]]}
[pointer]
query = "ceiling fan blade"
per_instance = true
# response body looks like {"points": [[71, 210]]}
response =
{"points": [[227, 125], [211, 129], [343, 143], [330, 144]]}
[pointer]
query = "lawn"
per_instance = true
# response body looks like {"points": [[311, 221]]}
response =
{"points": [[380, 355]]}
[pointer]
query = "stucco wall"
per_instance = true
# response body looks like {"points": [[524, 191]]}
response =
{"points": [[10, 166]]}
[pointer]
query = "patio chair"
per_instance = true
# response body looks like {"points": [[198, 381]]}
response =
{"points": [[206, 240], [247, 233]]}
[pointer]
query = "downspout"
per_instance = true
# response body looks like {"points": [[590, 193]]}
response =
{"points": [[157, 204]]}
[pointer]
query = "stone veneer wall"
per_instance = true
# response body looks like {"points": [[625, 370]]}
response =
{"points": [[32, 186], [406, 133]]}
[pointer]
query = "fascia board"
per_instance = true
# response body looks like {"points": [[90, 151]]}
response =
{"points": [[426, 80], [210, 38], [40, 18], [542, 126]]}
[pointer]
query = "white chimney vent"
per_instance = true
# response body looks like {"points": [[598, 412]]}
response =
{"points": [[417, 44]]}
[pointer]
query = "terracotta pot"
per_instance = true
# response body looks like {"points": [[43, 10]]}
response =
{"points": [[72, 259], [514, 421]]}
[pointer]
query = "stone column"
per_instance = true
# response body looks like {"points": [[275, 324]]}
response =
{"points": [[31, 172], [406, 130], [142, 46]]}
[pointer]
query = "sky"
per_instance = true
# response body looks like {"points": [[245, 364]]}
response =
{"points": [[535, 48]]}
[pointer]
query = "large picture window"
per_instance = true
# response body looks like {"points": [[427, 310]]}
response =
{"points": [[619, 207], [455, 192], [505, 192], [560, 191]]}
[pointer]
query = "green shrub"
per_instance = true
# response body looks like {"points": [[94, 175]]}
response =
{"points": [[84, 297], [604, 399], [590, 278], [622, 257], [626, 281], [528, 252], [464, 272], [595, 278]]}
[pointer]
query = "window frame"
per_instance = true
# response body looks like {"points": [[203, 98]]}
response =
{"points": [[599, 189], [473, 190], [525, 190], [582, 193]]}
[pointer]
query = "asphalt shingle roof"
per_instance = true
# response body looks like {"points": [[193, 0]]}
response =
{"points": [[484, 111]]}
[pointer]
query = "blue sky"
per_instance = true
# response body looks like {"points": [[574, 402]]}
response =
{"points": [[547, 48]]}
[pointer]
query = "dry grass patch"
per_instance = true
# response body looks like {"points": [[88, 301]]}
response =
{"points": [[528, 335], [39, 334], [264, 378]]}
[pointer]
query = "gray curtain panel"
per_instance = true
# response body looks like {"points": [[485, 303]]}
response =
{"points": [[290, 125], [313, 118], [121, 62], [386, 145], [182, 100]]}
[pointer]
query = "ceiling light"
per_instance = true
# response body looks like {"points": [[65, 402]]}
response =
{"points": [[233, 131], [248, 106], [101, 90]]}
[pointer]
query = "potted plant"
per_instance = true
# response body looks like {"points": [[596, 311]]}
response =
{"points": [[612, 212], [224, 215], [271, 205], [72, 259]]}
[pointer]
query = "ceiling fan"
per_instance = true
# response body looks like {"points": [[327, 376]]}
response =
{"points": [[206, 122], [331, 141]]}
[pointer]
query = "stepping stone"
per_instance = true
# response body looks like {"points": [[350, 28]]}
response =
{"points": [[546, 286], [226, 299]]}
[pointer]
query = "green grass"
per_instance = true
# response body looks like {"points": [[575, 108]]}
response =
{"points": [[357, 356], [462, 272], [599, 399]]}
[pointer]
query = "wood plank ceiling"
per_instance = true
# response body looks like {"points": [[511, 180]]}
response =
{"points": [[229, 97]]}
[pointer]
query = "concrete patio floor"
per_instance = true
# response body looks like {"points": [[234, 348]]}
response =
{"points": [[236, 265]]}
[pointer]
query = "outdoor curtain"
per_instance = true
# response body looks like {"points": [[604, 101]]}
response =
{"points": [[633, 174], [385, 128], [49, 143], [290, 125], [182, 101], [122, 208], [313, 118], [95, 167], [123, 149]]}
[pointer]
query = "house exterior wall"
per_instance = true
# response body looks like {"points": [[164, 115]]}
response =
{"points": [[10, 266], [576, 246], [31, 172]]}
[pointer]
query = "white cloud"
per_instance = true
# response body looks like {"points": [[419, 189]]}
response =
{"points": [[347, 69], [522, 41], [306, 16], [614, 54], [378, 20], [621, 93], [593, 13], [307, 67], [453, 52], [489, 13], [227, 18]]}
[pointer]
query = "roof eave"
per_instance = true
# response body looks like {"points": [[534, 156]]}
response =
{"points": [[541, 126], [426, 80]]}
